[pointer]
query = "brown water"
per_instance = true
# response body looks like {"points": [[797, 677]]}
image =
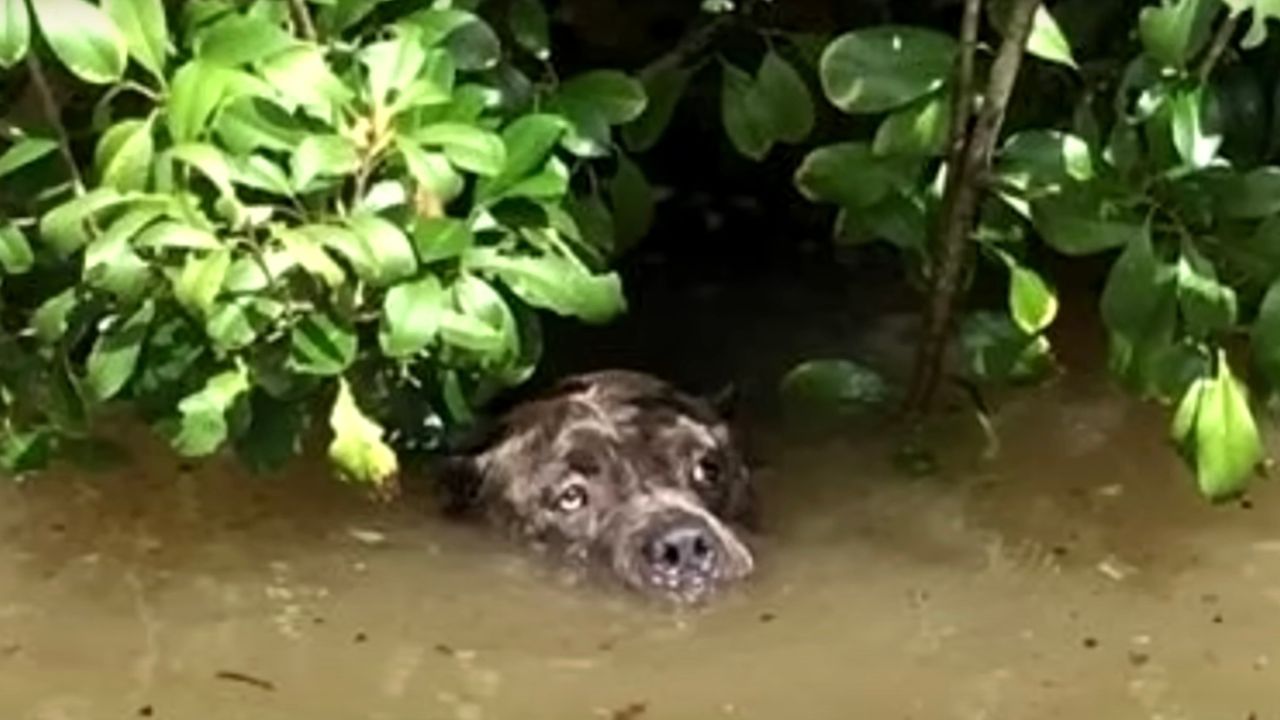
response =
{"points": [[1074, 575]]}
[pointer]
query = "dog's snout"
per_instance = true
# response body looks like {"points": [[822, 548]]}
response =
{"points": [[685, 548]]}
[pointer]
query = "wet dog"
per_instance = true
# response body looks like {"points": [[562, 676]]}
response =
{"points": [[620, 472]]}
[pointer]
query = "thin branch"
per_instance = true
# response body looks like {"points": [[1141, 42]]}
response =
{"points": [[962, 83], [964, 190], [302, 17], [49, 106], [1221, 41]]}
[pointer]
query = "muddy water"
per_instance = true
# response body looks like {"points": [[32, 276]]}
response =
{"points": [[1072, 575]]}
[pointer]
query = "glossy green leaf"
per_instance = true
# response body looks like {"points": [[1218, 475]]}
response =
{"points": [[748, 120], [145, 29], [1076, 224], [411, 316], [385, 251], [617, 96], [24, 152], [65, 226], [49, 320], [444, 238], [302, 75], [632, 199], [996, 350], [15, 32], [110, 262], [530, 27], [114, 355], [883, 68], [1045, 160], [556, 284], [1248, 196], [172, 235], [786, 96], [196, 91], [1195, 143], [529, 141], [1228, 446], [664, 84], [1208, 306], [321, 345], [124, 155], [432, 171], [238, 39], [322, 156], [210, 161], [1033, 303], [357, 447], [850, 175], [474, 45], [834, 388], [83, 38], [391, 65], [1046, 41], [203, 426], [260, 173], [15, 252], [468, 147], [1136, 286], [1173, 32], [200, 280], [920, 128]]}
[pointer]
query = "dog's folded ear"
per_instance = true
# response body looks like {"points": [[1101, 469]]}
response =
{"points": [[725, 400]]}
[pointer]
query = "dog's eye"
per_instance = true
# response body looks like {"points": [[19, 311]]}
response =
{"points": [[571, 499], [707, 472]]}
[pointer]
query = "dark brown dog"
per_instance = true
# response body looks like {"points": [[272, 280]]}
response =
{"points": [[617, 471]]}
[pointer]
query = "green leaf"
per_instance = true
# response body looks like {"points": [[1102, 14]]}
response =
{"points": [[83, 38], [1174, 32], [320, 156], [616, 95], [1076, 224], [664, 84], [920, 128], [386, 255], [480, 303], [1248, 196], [241, 39], [1227, 444], [337, 16], [114, 355], [1266, 335], [411, 316], [555, 283], [996, 350], [302, 75], [15, 32], [259, 173], [1032, 301], [432, 171], [786, 97], [124, 155], [1136, 288], [200, 280], [49, 321], [850, 175], [474, 46], [172, 235], [443, 238], [24, 152], [15, 252], [748, 120], [468, 147], [1195, 145], [1045, 160], [210, 161], [883, 68], [1046, 41], [1208, 306], [309, 253], [1263, 10], [64, 227], [529, 141], [832, 388], [633, 203], [391, 66], [530, 27], [145, 30], [25, 451], [247, 125], [357, 447], [595, 223], [195, 93], [321, 345], [110, 262], [203, 426]]}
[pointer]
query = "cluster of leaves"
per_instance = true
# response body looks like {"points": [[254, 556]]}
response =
{"points": [[283, 208], [1162, 159]]}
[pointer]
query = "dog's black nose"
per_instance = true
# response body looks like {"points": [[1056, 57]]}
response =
{"points": [[684, 549]]}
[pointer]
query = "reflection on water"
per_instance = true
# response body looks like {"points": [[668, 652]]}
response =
{"points": [[1074, 576]]}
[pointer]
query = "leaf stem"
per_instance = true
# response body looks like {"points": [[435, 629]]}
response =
{"points": [[49, 106], [1218, 47]]}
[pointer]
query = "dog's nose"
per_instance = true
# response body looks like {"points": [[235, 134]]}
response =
{"points": [[682, 549]]}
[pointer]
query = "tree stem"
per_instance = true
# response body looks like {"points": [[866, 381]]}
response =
{"points": [[49, 107], [1221, 41], [302, 17], [970, 156]]}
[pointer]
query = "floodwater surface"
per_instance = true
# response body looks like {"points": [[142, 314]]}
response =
{"points": [[1074, 574]]}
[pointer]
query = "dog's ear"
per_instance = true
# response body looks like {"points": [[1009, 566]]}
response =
{"points": [[725, 400], [458, 482]]}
